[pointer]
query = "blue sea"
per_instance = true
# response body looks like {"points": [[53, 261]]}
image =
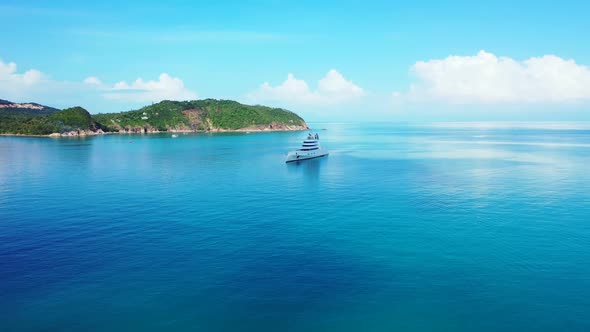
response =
{"points": [[403, 227]]}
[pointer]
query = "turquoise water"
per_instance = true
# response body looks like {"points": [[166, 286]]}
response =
{"points": [[401, 228]]}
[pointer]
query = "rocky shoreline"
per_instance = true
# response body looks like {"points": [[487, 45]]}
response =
{"points": [[149, 130]]}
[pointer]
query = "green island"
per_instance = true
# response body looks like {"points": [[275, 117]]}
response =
{"points": [[208, 115]]}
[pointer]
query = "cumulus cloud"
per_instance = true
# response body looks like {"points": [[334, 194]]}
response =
{"points": [[93, 80], [488, 79], [13, 83], [33, 85], [332, 89], [165, 88]]}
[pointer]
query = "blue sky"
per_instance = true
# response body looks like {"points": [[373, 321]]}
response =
{"points": [[418, 60]]}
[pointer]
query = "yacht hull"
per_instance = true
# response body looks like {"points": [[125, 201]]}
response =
{"points": [[305, 155]]}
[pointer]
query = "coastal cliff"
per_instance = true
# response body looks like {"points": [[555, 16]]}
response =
{"points": [[208, 115]]}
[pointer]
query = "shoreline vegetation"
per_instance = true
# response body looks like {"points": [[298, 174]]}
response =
{"points": [[197, 116]]}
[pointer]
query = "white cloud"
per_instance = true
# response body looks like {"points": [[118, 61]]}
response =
{"points": [[332, 89], [33, 85], [14, 84], [93, 80], [488, 79], [32, 76], [165, 88]]}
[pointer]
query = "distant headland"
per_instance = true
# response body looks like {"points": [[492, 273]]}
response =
{"points": [[207, 115]]}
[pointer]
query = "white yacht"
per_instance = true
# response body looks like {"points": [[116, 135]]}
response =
{"points": [[310, 149]]}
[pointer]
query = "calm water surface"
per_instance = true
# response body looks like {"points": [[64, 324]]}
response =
{"points": [[402, 228]]}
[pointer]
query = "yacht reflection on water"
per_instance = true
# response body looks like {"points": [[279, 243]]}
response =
{"points": [[308, 171], [310, 149]]}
